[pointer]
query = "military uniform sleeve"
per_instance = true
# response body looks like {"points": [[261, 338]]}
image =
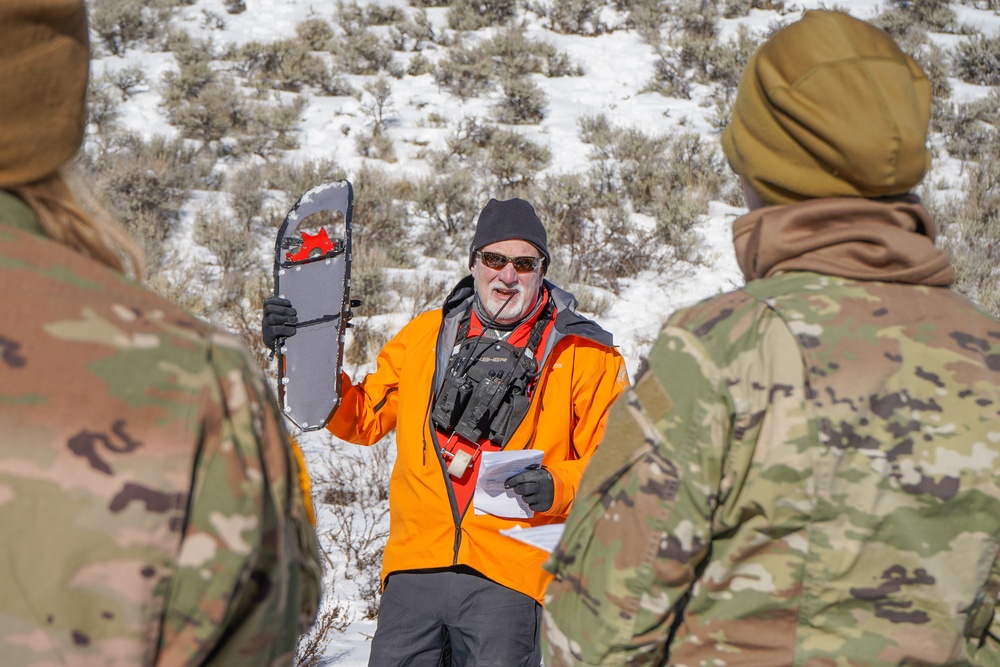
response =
{"points": [[602, 379], [641, 524], [247, 576]]}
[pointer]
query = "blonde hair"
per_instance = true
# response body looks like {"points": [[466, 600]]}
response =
{"points": [[64, 220]]}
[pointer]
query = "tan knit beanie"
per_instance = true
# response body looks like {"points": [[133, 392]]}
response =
{"points": [[44, 59], [829, 107]]}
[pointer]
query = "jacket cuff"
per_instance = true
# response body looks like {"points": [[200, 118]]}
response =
{"points": [[560, 504]]}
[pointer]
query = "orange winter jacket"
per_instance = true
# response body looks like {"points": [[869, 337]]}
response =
{"points": [[582, 374]]}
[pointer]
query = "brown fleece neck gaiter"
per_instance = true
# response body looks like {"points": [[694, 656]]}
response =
{"points": [[864, 239]]}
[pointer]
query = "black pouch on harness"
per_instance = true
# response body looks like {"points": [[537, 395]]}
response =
{"points": [[486, 386], [497, 376]]}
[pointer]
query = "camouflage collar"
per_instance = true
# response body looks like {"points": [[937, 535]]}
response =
{"points": [[15, 213]]}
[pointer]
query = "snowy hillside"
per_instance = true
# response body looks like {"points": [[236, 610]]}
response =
{"points": [[396, 98]]}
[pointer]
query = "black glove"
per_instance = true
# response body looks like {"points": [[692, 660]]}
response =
{"points": [[535, 486], [279, 320]]}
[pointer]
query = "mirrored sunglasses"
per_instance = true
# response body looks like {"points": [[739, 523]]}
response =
{"points": [[496, 261]]}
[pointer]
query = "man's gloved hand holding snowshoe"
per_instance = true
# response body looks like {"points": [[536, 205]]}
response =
{"points": [[536, 487], [279, 320]]}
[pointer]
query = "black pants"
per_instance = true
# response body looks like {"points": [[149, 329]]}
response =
{"points": [[425, 615]]}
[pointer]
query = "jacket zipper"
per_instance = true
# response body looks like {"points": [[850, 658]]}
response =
{"points": [[456, 518]]}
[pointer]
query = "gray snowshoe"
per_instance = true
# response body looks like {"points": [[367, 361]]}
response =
{"points": [[313, 271]]}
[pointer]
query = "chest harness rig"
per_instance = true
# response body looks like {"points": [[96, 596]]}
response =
{"points": [[486, 391]]}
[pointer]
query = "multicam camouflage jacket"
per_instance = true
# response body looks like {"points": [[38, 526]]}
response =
{"points": [[150, 506], [807, 474]]}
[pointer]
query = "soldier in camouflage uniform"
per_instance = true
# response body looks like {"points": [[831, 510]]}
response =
{"points": [[808, 472], [150, 501]]}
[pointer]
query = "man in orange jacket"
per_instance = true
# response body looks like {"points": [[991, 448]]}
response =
{"points": [[505, 364]]}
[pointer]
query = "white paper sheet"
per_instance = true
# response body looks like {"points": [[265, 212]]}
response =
{"points": [[543, 537], [495, 468]]}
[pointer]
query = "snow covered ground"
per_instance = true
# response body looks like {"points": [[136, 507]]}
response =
{"points": [[617, 66]]}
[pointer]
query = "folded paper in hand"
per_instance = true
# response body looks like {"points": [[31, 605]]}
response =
{"points": [[495, 468]]}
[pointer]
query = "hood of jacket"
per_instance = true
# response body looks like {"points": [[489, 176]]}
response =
{"points": [[890, 239]]}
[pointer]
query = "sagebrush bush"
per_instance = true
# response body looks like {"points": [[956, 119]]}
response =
{"points": [[285, 64], [934, 15], [934, 61], [676, 215], [559, 64], [212, 21], [375, 146], [670, 179], [669, 78], [194, 68], [722, 112], [696, 167], [645, 167], [366, 337], [521, 102], [971, 228], [126, 79], [210, 107], [646, 17], [331, 620], [415, 33], [966, 128], [593, 239], [476, 14], [977, 60], [448, 200], [726, 61], [315, 32], [514, 54], [380, 215], [378, 106], [513, 160], [481, 160], [693, 52], [364, 52], [463, 72], [378, 103], [217, 109], [468, 71], [571, 17], [591, 302], [144, 183], [360, 50], [120, 24], [233, 249], [370, 286], [271, 128], [103, 105], [351, 17], [360, 529], [733, 9], [422, 293], [567, 206], [419, 65], [697, 19], [377, 14], [245, 195]]}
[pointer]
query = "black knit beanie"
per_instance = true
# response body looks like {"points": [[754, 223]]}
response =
{"points": [[506, 220]]}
